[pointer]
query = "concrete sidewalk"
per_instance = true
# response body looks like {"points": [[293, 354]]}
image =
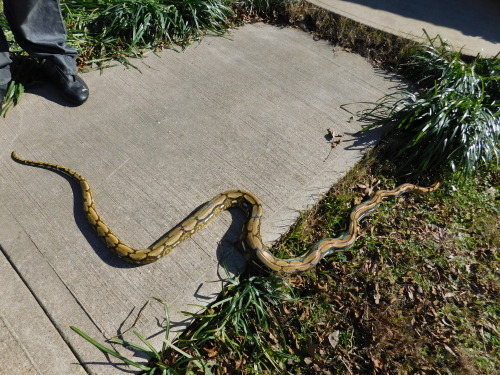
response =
{"points": [[470, 25], [248, 111]]}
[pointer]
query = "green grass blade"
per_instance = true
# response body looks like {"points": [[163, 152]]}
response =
{"points": [[109, 351], [148, 344]]}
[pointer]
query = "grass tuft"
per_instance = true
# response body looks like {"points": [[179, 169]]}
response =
{"points": [[241, 329], [453, 118], [105, 30]]}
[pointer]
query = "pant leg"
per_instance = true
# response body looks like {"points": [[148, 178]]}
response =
{"points": [[5, 60], [39, 29]]}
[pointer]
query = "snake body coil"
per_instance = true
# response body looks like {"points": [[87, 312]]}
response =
{"points": [[251, 239]]}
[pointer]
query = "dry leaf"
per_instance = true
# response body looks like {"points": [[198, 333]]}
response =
{"points": [[337, 299], [295, 341], [272, 336], [336, 142], [239, 363], [449, 350], [376, 296], [211, 352], [410, 293], [321, 286], [333, 338], [311, 347], [285, 308], [377, 363], [305, 314]]}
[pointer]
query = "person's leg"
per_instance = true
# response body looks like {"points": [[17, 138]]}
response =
{"points": [[39, 29], [5, 62]]}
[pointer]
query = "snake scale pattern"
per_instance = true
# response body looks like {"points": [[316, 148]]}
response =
{"points": [[251, 240]]}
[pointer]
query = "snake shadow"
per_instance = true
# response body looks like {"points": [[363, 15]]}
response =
{"points": [[229, 256], [104, 253], [231, 262]]}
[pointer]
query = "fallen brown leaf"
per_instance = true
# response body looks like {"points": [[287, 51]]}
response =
{"points": [[211, 352], [333, 338]]}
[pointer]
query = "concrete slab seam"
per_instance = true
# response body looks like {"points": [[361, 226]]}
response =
{"points": [[47, 314]]}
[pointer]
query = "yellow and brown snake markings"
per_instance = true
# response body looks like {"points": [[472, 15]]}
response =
{"points": [[251, 239]]}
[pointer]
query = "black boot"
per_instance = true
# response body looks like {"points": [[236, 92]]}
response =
{"points": [[71, 86]]}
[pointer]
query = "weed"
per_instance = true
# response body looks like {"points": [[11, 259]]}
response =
{"points": [[270, 10]]}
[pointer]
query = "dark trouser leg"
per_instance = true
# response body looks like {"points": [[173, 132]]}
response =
{"points": [[4, 60], [39, 29], [4, 66]]}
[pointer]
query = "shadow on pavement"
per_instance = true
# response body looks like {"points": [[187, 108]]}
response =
{"points": [[478, 18]]}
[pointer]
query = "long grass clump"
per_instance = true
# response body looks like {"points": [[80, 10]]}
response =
{"points": [[241, 329], [111, 29], [452, 118]]}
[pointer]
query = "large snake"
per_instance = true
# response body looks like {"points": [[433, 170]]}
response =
{"points": [[251, 239]]}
